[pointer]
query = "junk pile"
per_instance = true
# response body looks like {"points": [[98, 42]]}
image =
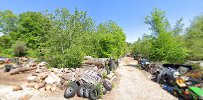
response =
{"points": [[179, 80], [89, 81]]}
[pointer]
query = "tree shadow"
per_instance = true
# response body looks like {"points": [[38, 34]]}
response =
{"points": [[132, 65]]}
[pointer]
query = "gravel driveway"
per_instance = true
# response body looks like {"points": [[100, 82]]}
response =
{"points": [[135, 84]]}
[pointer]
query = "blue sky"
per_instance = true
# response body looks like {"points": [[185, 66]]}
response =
{"points": [[129, 14]]}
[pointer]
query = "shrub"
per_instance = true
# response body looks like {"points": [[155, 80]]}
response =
{"points": [[72, 57], [196, 66], [19, 48]]}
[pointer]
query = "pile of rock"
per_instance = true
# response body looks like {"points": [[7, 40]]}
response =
{"points": [[57, 78]]}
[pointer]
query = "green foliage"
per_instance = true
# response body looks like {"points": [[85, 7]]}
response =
{"points": [[8, 22], [32, 53], [194, 39], [99, 86], [164, 42], [196, 66], [5, 41], [19, 48], [112, 40], [61, 38], [33, 28], [143, 46]]}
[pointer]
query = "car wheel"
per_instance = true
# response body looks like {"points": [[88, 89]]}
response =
{"points": [[87, 90], [107, 85], [104, 90], [81, 90], [94, 93], [71, 90]]}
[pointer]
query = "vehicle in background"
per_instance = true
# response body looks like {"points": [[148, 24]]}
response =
{"points": [[144, 63], [4, 60]]}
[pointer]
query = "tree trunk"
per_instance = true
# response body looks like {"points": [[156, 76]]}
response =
{"points": [[22, 69]]}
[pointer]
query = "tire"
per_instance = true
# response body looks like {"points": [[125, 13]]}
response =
{"points": [[7, 68], [94, 93], [87, 90], [71, 90], [107, 85], [81, 90], [104, 90]]}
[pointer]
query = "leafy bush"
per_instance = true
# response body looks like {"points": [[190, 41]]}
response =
{"points": [[71, 58], [196, 66], [32, 53], [19, 48], [74, 57]]}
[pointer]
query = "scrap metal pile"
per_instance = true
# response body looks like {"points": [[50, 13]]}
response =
{"points": [[179, 80]]}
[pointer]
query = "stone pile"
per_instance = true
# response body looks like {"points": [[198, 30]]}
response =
{"points": [[54, 79]]}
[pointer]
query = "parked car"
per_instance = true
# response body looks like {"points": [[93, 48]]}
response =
{"points": [[4, 60]]}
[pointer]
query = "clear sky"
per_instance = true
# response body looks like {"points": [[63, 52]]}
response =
{"points": [[129, 14]]}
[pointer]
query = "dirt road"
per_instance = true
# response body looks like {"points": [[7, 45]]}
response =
{"points": [[135, 84]]}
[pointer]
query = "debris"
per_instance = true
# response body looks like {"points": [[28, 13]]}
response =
{"points": [[47, 87], [21, 69], [25, 97], [30, 84], [39, 85], [17, 88], [53, 87], [31, 78], [37, 80], [109, 76], [88, 57], [42, 76], [52, 78]]}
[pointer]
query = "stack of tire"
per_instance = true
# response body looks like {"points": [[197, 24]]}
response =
{"points": [[87, 90]]}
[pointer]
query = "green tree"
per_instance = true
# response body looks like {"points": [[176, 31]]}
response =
{"points": [[143, 45], [165, 45], [194, 39], [8, 22], [112, 40], [67, 38], [33, 27]]}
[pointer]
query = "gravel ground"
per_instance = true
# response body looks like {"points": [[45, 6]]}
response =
{"points": [[135, 84]]}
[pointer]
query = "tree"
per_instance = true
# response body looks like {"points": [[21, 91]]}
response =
{"points": [[165, 46], [194, 39], [61, 37], [143, 45], [8, 22], [33, 27], [112, 41], [67, 38]]}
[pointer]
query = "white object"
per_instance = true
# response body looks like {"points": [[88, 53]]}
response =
{"points": [[52, 78]]}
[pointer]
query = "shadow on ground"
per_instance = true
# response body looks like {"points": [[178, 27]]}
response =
{"points": [[132, 65]]}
